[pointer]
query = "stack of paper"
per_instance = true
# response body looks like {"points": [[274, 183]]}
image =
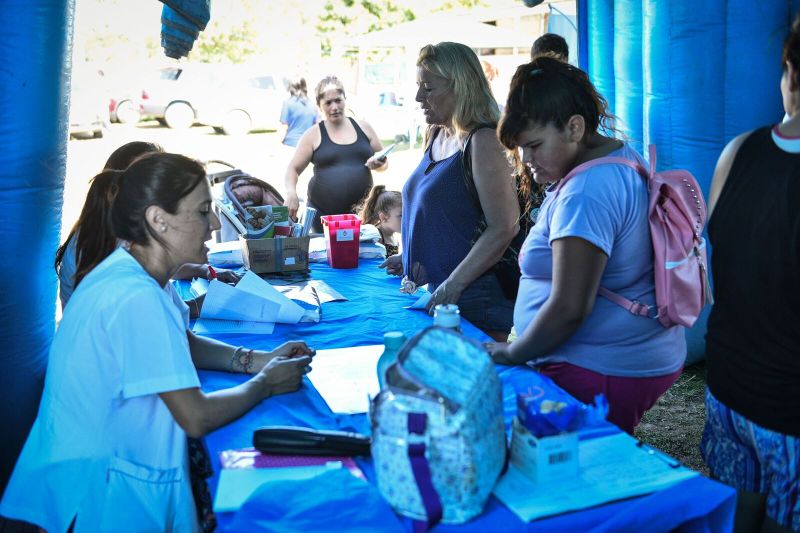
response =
{"points": [[252, 306], [611, 468]]}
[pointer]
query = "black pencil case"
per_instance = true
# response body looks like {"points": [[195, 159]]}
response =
{"points": [[288, 440]]}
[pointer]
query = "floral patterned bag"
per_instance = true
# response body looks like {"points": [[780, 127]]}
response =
{"points": [[438, 438]]}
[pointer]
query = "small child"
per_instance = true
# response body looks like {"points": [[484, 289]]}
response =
{"points": [[383, 209]]}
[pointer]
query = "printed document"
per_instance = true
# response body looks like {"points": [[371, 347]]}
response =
{"points": [[611, 468], [347, 378]]}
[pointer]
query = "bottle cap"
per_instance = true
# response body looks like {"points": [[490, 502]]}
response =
{"points": [[447, 316], [393, 339]]}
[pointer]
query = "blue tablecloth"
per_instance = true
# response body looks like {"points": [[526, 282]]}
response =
{"points": [[375, 306]]}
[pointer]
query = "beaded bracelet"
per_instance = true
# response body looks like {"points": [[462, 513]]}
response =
{"points": [[246, 362]]}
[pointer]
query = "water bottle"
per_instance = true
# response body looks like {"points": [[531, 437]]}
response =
{"points": [[447, 316], [392, 342]]}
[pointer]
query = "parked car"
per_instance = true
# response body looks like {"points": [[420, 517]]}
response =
{"points": [[87, 111], [168, 98], [242, 103], [232, 99], [124, 109]]}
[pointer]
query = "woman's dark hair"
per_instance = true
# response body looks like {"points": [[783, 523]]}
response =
{"points": [[326, 82], [95, 244], [377, 201], [298, 88], [548, 91], [159, 179], [551, 44], [126, 154], [791, 47]]}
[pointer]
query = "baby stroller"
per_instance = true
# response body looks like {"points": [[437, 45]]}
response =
{"points": [[239, 191]]}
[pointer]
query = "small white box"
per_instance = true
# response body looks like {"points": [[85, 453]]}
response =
{"points": [[544, 459]]}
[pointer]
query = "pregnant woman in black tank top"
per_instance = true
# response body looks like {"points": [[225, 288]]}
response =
{"points": [[342, 150]]}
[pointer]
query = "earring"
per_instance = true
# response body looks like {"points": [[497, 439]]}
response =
{"points": [[163, 228]]}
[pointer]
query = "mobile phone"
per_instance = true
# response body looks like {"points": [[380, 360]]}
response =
{"points": [[381, 156]]}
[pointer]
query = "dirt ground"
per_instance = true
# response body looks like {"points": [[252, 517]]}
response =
{"points": [[675, 424]]}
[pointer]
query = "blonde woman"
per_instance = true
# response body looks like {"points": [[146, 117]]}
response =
{"points": [[460, 209]]}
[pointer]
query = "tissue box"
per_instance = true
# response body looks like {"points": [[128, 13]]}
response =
{"points": [[287, 254], [546, 458]]}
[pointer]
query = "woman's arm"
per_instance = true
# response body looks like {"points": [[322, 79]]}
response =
{"points": [[492, 174], [199, 413], [578, 266], [300, 160], [210, 354], [722, 169], [376, 145]]}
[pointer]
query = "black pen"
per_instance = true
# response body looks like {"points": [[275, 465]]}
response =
{"points": [[672, 463]]}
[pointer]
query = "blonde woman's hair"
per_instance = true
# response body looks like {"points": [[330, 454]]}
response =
{"points": [[474, 103]]}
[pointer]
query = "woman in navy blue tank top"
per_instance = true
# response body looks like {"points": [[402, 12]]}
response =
{"points": [[440, 218], [342, 150]]}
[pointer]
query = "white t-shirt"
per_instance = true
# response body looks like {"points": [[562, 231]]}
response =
{"points": [[104, 448]]}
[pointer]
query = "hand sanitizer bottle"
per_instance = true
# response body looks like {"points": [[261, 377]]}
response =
{"points": [[447, 316], [392, 341]]}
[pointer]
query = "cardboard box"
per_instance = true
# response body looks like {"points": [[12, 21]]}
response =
{"points": [[288, 254], [544, 459]]}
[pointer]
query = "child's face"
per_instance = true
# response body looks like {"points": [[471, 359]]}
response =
{"points": [[392, 220]]}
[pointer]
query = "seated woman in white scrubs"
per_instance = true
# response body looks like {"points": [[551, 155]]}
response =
{"points": [[108, 451]]}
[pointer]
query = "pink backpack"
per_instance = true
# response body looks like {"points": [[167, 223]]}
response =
{"points": [[677, 216]]}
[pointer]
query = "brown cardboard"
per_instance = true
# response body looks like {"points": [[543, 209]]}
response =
{"points": [[288, 254]]}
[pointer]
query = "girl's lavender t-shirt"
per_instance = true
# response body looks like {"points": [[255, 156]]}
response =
{"points": [[607, 206]]}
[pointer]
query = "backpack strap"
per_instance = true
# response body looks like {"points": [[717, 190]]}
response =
{"points": [[417, 425], [633, 306]]}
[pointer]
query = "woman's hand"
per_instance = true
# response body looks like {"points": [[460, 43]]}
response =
{"points": [[393, 265], [500, 353], [292, 349], [293, 203], [449, 292], [283, 374], [228, 276], [375, 163], [288, 349]]}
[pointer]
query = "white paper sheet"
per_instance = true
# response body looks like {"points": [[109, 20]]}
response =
{"points": [[288, 313], [611, 468], [347, 378], [211, 326], [224, 302], [236, 485], [421, 302]]}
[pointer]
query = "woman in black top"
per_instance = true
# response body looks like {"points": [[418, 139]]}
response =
{"points": [[342, 150], [752, 435]]}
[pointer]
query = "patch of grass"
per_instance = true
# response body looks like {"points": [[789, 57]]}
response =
{"points": [[675, 424]]}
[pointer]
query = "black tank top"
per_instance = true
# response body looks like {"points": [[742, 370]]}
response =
{"points": [[753, 339], [340, 178]]}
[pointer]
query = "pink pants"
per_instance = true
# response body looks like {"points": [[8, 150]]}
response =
{"points": [[628, 398]]}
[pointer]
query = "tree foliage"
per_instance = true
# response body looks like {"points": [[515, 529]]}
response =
{"points": [[344, 18], [229, 45]]}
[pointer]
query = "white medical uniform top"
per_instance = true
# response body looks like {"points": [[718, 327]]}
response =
{"points": [[66, 281], [104, 447]]}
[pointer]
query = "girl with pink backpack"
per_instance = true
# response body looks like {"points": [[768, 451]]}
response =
{"points": [[588, 313]]}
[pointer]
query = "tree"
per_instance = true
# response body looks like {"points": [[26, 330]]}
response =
{"points": [[344, 18]]}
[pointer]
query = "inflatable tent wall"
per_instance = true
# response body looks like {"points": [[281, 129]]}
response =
{"points": [[687, 75], [34, 95]]}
